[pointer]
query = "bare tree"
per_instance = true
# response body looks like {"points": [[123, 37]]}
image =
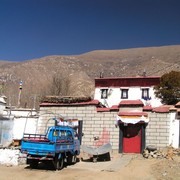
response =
{"points": [[60, 84]]}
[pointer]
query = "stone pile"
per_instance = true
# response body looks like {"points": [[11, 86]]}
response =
{"points": [[168, 153]]}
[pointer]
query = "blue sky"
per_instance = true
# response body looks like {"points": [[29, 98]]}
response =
{"points": [[35, 28]]}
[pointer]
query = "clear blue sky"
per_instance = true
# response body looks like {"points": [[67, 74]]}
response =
{"points": [[35, 28]]}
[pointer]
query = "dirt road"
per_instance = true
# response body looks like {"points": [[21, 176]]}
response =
{"points": [[137, 168]]}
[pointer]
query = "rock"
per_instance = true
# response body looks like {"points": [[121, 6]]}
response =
{"points": [[151, 148]]}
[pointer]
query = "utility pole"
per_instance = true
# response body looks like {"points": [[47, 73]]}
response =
{"points": [[20, 92]]}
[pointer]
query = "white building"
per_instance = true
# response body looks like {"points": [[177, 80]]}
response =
{"points": [[111, 91]]}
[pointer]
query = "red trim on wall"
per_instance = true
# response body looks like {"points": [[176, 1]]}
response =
{"points": [[147, 108], [113, 108], [131, 102], [130, 113], [162, 109], [102, 109], [127, 81]]}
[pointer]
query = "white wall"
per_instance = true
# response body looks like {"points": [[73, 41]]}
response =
{"points": [[6, 132], [134, 93], [174, 131], [24, 125], [23, 121]]}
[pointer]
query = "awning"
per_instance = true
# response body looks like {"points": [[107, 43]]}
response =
{"points": [[132, 117]]}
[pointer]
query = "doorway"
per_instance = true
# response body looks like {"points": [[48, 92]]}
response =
{"points": [[132, 138]]}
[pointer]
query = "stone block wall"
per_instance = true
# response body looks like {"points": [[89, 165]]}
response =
{"points": [[102, 125], [157, 130], [95, 124]]}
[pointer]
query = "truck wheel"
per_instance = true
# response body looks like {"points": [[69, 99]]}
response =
{"points": [[59, 164], [74, 159], [33, 164], [71, 159]]}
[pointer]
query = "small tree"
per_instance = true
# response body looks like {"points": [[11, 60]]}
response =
{"points": [[169, 88], [60, 85]]}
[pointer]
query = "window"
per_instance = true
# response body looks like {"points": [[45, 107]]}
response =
{"points": [[104, 93], [63, 133], [56, 133], [124, 93], [145, 93]]}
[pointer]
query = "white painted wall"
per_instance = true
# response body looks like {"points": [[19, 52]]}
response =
{"points": [[6, 132], [24, 125], [134, 93], [174, 131], [23, 121]]}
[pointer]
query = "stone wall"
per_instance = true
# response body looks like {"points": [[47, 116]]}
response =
{"points": [[102, 125], [95, 124], [157, 130]]}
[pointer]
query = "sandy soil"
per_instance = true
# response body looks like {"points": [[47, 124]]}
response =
{"points": [[138, 168]]}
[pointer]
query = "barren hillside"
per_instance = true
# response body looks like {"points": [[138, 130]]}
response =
{"points": [[80, 70]]}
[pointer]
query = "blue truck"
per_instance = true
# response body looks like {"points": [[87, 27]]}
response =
{"points": [[60, 144]]}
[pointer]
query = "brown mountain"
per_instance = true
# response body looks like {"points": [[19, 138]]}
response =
{"points": [[74, 75]]}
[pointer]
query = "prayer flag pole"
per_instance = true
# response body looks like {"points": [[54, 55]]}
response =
{"points": [[20, 91]]}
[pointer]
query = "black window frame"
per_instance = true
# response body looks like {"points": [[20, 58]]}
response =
{"points": [[102, 93], [124, 92], [145, 93]]}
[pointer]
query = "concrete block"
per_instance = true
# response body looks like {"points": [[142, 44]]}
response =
{"points": [[163, 123], [164, 134], [162, 130], [162, 138], [154, 134], [98, 122], [151, 137], [152, 130]]}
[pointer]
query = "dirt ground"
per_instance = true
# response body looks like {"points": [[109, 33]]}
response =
{"points": [[138, 168]]}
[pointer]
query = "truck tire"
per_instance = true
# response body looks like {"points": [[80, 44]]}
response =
{"points": [[33, 164], [71, 159], [74, 159], [59, 163]]}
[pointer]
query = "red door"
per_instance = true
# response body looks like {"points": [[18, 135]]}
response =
{"points": [[132, 138]]}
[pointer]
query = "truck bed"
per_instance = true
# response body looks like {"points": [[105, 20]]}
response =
{"points": [[40, 145]]}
